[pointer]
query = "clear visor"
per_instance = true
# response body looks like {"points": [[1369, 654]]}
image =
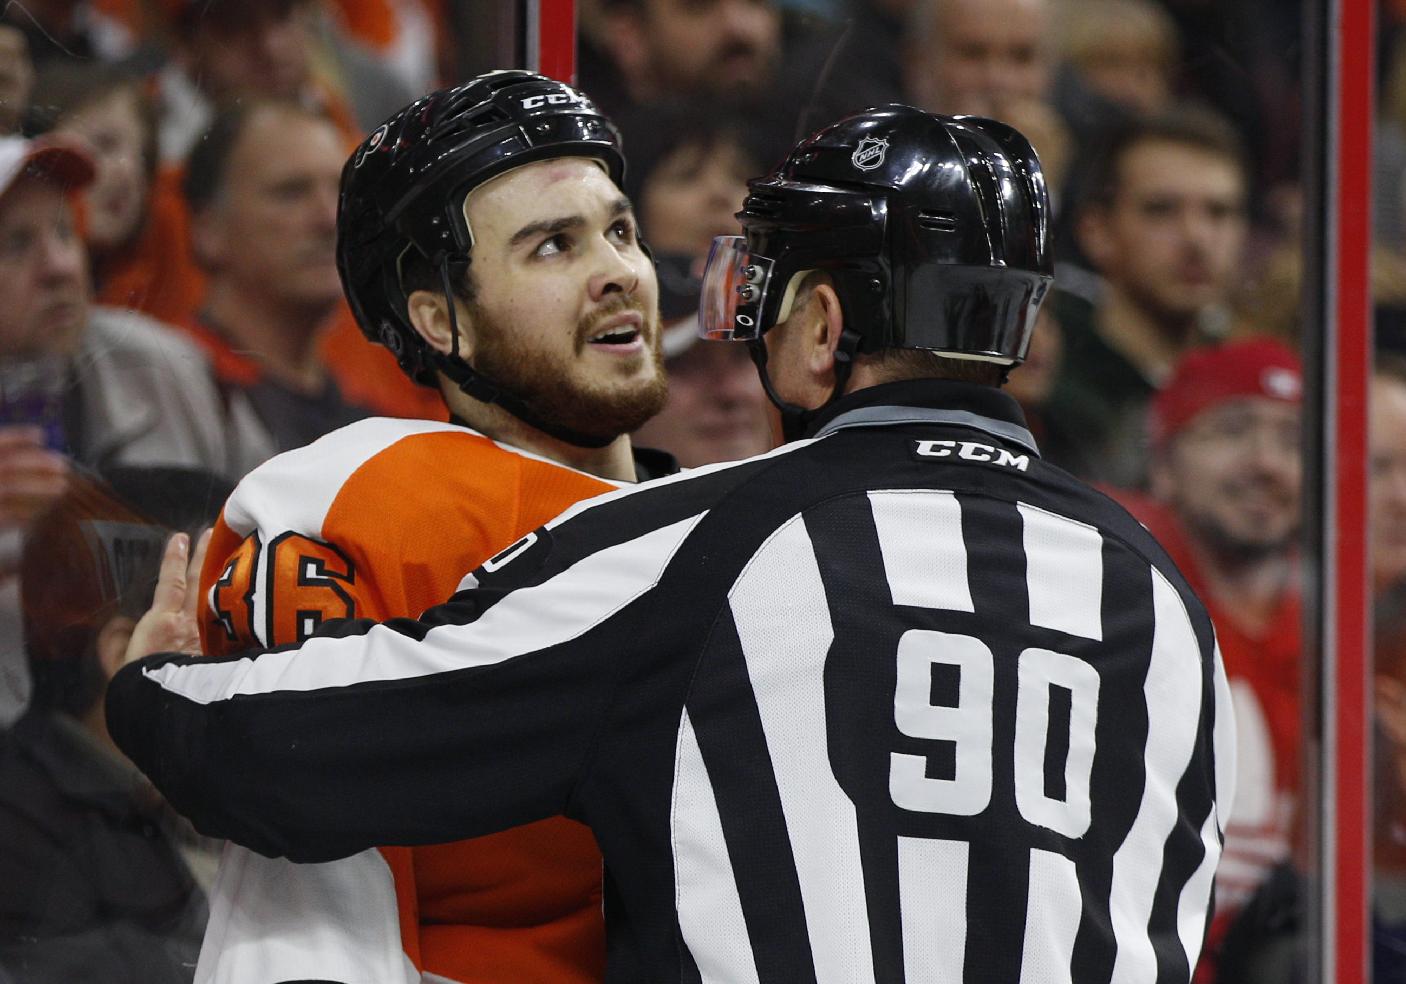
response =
{"points": [[734, 288]]}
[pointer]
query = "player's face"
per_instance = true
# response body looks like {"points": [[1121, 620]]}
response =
{"points": [[1234, 476], [724, 46], [1388, 490], [43, 271], [274, 233], [1173, 235], [986, 55], [566, 312]]}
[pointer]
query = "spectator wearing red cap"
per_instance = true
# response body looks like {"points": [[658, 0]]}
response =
{"points": [[1387, 441], [1225, 480], [79, 385]]}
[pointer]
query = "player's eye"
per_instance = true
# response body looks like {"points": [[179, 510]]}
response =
{"points": [[623, 230], [553, 245]]}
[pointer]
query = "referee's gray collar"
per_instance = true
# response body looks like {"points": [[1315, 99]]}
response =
{"points": [[890, 415]]}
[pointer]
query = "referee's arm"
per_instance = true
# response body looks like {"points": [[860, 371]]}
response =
{"points": [[481, 715]]}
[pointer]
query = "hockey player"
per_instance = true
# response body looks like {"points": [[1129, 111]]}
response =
{"points": [[482, 237], [896, 702]]}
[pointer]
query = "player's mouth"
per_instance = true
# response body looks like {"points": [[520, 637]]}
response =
{"points": [[622, 333]]}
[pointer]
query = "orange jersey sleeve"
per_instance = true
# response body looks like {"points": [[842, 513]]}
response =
{"points": [[393, 515]]}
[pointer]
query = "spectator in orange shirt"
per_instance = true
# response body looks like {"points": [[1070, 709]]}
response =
{"points": [[136, 225]]}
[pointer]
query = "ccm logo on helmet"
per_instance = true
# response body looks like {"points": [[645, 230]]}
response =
{"points": [[972, 451], [552, 99]]}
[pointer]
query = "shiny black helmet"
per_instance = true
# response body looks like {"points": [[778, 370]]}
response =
{"points": [[933, 229], [403, 190]]}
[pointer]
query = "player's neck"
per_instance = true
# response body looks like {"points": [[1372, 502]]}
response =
{"points": [[615, 461]]}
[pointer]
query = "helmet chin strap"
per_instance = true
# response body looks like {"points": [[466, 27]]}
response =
{"points": [[485, 390], [796, 419]]}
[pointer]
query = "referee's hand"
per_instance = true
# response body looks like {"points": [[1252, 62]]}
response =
{"points": [[170, 625]]}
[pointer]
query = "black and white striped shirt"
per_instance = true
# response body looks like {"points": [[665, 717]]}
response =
{"points": [[898, 703]]}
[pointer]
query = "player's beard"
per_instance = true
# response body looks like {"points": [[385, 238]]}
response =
{"points": [[563, 394]]}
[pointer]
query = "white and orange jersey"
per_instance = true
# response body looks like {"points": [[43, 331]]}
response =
{"points": [[377, 520]]}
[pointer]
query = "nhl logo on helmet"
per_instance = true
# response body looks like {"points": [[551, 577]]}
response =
{"points": [[869, 155]]}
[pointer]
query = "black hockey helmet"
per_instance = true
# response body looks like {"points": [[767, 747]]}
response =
{"points": [[934, 230], [403, 189]]}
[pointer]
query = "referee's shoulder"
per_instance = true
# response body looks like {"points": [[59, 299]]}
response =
{"points": [[1101, 509]]}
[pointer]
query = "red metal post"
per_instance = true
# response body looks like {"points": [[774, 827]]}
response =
{"points": [[1347, 703], [556, 38]]}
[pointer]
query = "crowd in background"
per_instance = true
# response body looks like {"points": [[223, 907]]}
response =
{"points": [[171, 315]]}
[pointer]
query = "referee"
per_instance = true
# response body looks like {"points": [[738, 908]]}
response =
{"points": [[898, 702]]}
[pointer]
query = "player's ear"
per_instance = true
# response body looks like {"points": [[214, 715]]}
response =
{"points": [[429, 316], [824, 326]]}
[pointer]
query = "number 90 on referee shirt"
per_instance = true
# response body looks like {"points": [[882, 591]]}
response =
{"points": [[968, 725]]}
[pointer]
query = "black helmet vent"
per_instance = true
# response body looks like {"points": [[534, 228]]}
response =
{"points": [[768, 206], [935, 221], [473, 122]]}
